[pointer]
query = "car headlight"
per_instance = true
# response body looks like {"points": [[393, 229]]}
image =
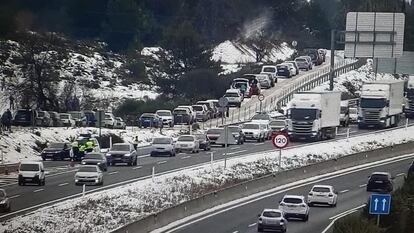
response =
{"points": [[99, 163], [127, 154], [108, 154], [83, 163]]}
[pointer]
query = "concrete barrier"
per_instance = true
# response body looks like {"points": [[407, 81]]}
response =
{"points": [[261, 184]]}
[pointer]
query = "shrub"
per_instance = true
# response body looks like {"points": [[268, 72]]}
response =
{"points": [[355, 224]]}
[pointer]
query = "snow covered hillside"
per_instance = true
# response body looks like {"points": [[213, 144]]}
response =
{"points": [[105, 210]]}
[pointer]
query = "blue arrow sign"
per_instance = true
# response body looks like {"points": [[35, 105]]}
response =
{"points": [[379, 204]]}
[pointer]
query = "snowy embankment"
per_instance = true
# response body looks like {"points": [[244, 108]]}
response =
{"points": [[233, 55], [106, 210], [26, 144]]}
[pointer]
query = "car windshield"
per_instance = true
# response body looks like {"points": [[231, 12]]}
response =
{"points": [[57, 145], [298, 114], [147, 116], [180, 111], [186, 139], [214, 131], [269, 69], [300, 60], [93, 156], [280, 67], [372, 103], [321, 189], [353, 111], [200, 136], [261, 117], [239, 84], [278, 123], [344, 109], [64, 116], [250, 126], [272, 214], [163, 113], [87, 169], [379, 177], [76, 114], [234, 129], [120, 147], [161, 141], [231, 95], [197, 108], [29, 167], [292, 200]]}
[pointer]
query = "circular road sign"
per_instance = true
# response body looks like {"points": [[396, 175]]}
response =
{"points": [[294, 43], [261, 97], [223, 102], [280, 140]]}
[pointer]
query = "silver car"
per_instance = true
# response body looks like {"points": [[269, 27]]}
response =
{"points": [[163, 146], [271, 219], [187, 143], [89, 174]]}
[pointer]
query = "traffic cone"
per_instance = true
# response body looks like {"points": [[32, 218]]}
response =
{"points": [[6, 170]]}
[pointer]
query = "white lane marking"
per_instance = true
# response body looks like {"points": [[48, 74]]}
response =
{"points": [[235, 148], [401, 174], [63, 184], [162, 162], [186, 157], [252, 225], [112, 173], [258, 144], [236, 152], [346, 212], [362, 185], [174, 226], [235, 231], [333, 221], [15, 196], [38, 190], [344, 191], [138, 167], [143, 156]]}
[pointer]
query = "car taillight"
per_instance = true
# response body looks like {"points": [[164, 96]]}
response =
{"points": [[330, 195], [303, 205], [260, 219], [310, 194], [282, 204]]}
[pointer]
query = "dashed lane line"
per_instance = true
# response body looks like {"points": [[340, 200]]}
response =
{"points": [[344, 191], [186, 157], [362, 185], [162, 162], [38, 190], [60, 185], [252, 225], [138, 167], [112, 173]]}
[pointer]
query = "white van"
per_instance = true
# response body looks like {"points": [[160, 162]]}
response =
{"points": [[31, 172]]}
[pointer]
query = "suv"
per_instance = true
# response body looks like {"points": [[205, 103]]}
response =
{"points": [[191, 110], [43, 119], [202, 113], [380, 182], [272, 70], [119, 123], [57, 150], [237, 83], [212, 113], [234, 97], [166, 116], [122, 153], [315, 56], [163, 146], [31, 172], [294, 207], [109, 120], [322, 194], [303, 63], [265, 81], [182, 116], [214, 133], [254, 131], [271, 219], [295, 65], [284, 70], [291, 67], [24, 117]]}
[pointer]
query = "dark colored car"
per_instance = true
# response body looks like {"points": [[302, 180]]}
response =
{"points": [[380, 182], [55, 119], [213, 134], [278, 126], [90, 118], [283, 70], [56, 151], [149, 120], [182, 116], [94, 158], [238, 134], [4, 201], [205, 143], [295, 65], [24, 117], [122, 153], [317, 59]]}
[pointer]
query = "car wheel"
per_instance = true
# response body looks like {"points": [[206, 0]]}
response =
{"points": [[259, 229], [40, 183], [310, 204], [136, 162], [306, 218]]}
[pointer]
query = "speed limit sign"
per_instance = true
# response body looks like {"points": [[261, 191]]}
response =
{"points": [[280, 140]]}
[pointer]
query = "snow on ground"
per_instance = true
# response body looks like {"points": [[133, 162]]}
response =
{"points": [[105, 210], [354, 79], [25, 143]]}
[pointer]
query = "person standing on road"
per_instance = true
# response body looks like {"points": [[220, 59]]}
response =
{"points": [[11, 99], [89, 145], [135, 142], [81, 151], [75, 149]]}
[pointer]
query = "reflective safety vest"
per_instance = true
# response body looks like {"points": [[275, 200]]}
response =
{"points": [[89, 145], [82, 148], [136, 141]]}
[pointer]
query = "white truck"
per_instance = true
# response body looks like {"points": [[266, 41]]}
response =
{"points": [[409, 104], [381, 104], [314, 115]]}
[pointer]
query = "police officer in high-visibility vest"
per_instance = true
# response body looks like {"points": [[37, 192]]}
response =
{"points": [[89, 146], [82, 151], [135, 142], [75, 149]]}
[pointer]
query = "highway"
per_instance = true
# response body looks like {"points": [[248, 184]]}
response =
{"points": [[242, 218]]}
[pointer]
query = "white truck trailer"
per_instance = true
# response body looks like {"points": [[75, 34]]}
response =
{"points": [[381, 104], [314, 115], [409, 104]]}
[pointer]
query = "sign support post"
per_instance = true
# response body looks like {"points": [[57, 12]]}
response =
{"points": [[280, 141]]}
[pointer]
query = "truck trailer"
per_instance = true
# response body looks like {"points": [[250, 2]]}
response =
{"points": [[314, 115], [409, 104], [381, 104]]}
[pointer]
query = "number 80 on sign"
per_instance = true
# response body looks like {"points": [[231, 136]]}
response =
{"points": [[280, 140]]}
